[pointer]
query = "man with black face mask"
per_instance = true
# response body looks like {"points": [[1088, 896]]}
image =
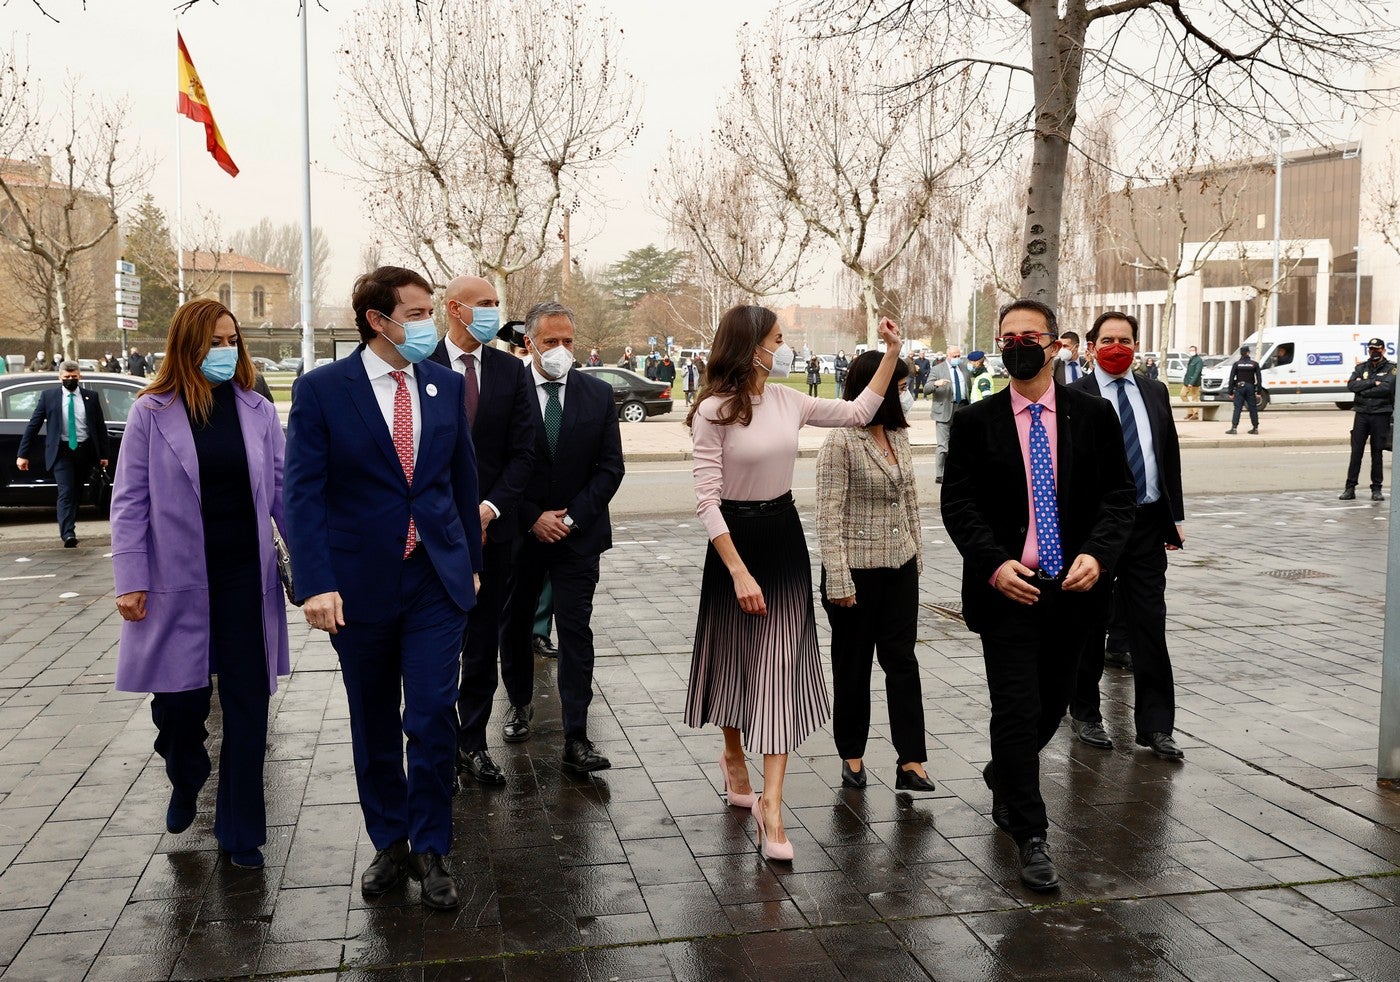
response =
{"points": [[76, 436], [1039, 500], [1373, 388]]}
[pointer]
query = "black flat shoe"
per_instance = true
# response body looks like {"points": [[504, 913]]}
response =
{"points": [[1001, 817], [1161, 744], [179, 814], [70, 543], [1119, 659], [850, 778], [480, 766], [247, 859], [386, 869], [439, 891], [1091, 733], [516, 728], [1037, 871], [907, 780], [581, 758]]}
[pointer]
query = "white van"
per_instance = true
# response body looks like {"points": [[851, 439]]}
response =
{"points": [[1303, 364]]}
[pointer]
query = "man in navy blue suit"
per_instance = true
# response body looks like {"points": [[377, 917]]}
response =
{"points": [[498, 394], [564, 518], [381, 503], [76, 438]]}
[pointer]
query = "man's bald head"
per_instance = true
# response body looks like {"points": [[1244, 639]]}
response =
{"points": [[954, 351], [463, 294]]}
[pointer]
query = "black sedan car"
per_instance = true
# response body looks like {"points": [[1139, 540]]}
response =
{"points": [[19, 394], [636, 397]]}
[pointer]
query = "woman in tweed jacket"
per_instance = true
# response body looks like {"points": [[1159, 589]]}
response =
{"points": [[872, 555]]}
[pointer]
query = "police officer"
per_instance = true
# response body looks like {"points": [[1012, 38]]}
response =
{"points": [[981, 378], [1246, 379], [1373, 385]]}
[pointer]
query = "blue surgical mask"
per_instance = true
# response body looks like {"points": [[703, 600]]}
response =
{"points": [[485, 322], [219, 364], [955, 361], [420, 339]]}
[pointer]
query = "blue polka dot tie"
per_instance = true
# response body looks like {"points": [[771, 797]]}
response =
{"points": [[1047, 510]]}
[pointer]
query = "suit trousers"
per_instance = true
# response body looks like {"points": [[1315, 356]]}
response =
{"points": [[70, 469], [1029, 655], [482, 645], [883, 624], [413, 651], [1372, 428], [239, 662], [1140, 596], [574, 579], [544, 613], [1117, 633], [942, 431]]}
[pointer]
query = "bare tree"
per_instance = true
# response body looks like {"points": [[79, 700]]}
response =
{"points": [[280, 246], [79, 175], [205, 254], [987, 227], [1383, 200], [35, 294], [474, 123]]}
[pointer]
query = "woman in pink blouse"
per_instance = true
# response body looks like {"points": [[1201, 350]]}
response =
{"points": [[756, 669]]}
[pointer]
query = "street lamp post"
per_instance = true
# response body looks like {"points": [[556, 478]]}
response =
{"points": [[1275, 286]]}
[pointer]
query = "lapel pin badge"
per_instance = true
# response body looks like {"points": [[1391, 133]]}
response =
{"points": [[431, 389]]}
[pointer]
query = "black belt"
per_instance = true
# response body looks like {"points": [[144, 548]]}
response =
{"points": [[753, 509]]}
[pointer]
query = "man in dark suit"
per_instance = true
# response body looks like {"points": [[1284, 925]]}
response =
{"points": [[75, 438], [1143, 406], [1038, 499], [381, 503], [564, 516], [498, 394]]}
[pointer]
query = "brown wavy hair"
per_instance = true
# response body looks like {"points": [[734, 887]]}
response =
{"points": [[191, 333], [729, 371]]}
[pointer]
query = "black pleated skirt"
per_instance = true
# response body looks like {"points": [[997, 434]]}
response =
{"points": [[760, 674]]}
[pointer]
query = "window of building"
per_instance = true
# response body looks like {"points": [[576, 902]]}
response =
{"points": [[226, 296], [259, 302]]}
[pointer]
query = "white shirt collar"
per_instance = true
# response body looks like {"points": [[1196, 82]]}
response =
{"points": [[1105, 380], [376, 367], [541, 380], [454, 353]]}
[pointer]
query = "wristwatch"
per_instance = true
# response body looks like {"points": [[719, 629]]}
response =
{"points": [[568, 521]]}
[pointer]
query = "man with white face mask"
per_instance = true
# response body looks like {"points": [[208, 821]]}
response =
{"points": [[564, 522], [949, 386]]}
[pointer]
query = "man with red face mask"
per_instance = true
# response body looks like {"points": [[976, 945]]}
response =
{"points": [[1140, 578]]}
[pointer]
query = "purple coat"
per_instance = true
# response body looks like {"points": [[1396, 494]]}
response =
{"points": [[158, 543]]}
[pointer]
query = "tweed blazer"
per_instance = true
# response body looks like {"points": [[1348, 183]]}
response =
{"points": [[867, 510]]}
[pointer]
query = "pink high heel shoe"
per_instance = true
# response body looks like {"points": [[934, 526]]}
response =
{"points": [[733, 798], [780, 852]]}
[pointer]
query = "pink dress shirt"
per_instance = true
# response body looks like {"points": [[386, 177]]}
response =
{"points": [[1030, 554]]}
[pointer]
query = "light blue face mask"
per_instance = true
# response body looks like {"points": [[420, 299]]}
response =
{"points": [[219, 364], [420, 339], [486, 321]]}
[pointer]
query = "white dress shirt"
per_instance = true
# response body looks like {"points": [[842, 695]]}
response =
{"points": [[540, 380], [79, 415], [385, 388], [1108, 388]]}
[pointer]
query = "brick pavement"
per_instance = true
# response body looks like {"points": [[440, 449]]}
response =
{"points": [[1269, 854]]}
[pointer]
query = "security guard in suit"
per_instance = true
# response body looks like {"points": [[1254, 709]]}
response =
{"points": [[75, 438], [1373, 387]]}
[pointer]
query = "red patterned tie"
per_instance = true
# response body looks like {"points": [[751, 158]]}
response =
{"points": [[403, 443]]}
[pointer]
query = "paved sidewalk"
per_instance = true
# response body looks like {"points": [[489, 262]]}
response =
{"points": [[1270, 854]]}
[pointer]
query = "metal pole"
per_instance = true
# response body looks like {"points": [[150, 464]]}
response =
{"points": [[973, 326], [1357, 321], [1275, 287], [308, 342], [179, 215], [1388, 753]]}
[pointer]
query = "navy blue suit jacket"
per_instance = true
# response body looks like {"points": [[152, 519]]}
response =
{"points": [[503, 435], [587, 468], [50, 409], [346, 501]]}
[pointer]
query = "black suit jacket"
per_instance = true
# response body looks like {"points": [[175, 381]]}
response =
{"points": [[985, 508], [50, 410], [503, 434], [1165, 446], [587, 469]]}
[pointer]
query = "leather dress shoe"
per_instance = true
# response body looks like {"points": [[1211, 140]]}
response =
{"points": [[70, 543], [1091, 733], [1377, 496], [581, 758], [247, 859], [1001, 817], [850, 778], [907, 780], [1161, 744], [180, 812], [544, 647], [1348, 494], [1037, 871], [516, 728], [1119, 659], [386, 869], [439, 890], [480, 766]]}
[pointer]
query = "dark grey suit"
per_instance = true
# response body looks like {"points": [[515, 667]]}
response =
{"points": [[946, 399]]}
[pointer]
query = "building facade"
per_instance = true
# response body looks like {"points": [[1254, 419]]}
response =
{"points": [[259, 295]]}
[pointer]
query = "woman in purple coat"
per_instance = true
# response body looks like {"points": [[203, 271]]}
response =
{"points": [[198, 486]]}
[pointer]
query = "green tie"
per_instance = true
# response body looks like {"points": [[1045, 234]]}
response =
{"points": [[72, 423], [553, 415]]}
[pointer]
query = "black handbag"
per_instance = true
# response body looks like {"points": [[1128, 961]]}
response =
{"points": [[284, 567]]}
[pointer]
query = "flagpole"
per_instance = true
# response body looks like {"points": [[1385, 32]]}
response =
{"points": [[308, 342], [179, 212]]}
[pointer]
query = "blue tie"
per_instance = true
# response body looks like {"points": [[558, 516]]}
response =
{"points": [[1131, 443], [1047, 510], [957, 385]]}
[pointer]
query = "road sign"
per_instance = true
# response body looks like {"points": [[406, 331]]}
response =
{"points": [[126, 323], [128, 282], [126, 268], [130, 297], [129, 310]]}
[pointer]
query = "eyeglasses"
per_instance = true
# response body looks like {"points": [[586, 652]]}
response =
{"points": [[1028, 340]]}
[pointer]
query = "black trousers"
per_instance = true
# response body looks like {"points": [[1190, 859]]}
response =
{"points": [[883, 624], [238, 660], [1030, 656], [574, 579], [1117, 640], [70, 469], [482, 645], [1373, 427], [1140, 597], [1246, 395]]}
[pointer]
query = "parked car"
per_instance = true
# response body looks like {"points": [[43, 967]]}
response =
{"points": [[289, 365], [828, 363], [19, 394], [997, 367], [322, 361], [266, 365], [87, 365], [637, 397]]}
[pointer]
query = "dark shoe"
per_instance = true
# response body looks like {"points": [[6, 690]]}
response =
{"points": [[180, 812], [516, 728], [386, 870], [1001, 817], [1348, 495], [1037, 871], [1119, 659], [850, 778], [907, 780], [1161, 744], [247, 859], [1232, 431], [438, 888], [938, 480], [480, 766], [70, 543], [1254, 432], [1091, 733], [1377, 496], [581, 758], [544, 648]]}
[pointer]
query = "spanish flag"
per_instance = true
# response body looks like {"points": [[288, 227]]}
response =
{"points": [[195, 104]]}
